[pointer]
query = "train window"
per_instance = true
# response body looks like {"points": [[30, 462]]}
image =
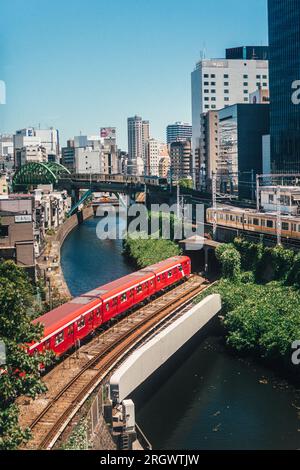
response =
{"points": [[180, 269], [294, 227], [98, 312], [151, 283], [70, 330], [298, 228], [169, 274], [123, 297], [81, 324], [107, 307], [270, 223], [139, 289], [115, 302], [59, 338], [47, 344], [285, 226], [158, 278], [255, 221]]}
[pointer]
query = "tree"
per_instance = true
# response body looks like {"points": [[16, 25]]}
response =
{"points": [[186, 183], [20, 375]]}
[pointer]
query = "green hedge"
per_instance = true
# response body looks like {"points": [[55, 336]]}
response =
{"points": [[145, 252]]}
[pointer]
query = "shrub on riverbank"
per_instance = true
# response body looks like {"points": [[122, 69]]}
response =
{"points": [[260, 318], [145, 252]]}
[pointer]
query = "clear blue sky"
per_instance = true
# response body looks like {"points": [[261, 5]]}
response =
{"points": [[79, 65]]}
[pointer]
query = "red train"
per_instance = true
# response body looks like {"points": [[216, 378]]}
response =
{"points": [[77, 319]]}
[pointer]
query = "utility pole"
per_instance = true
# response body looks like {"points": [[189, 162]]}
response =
{"points": [[257, 193], [178, 200], [214, 201], [252, 185], [278, 211]]}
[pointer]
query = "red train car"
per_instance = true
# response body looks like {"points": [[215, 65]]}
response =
{"points": [[81, 316]]}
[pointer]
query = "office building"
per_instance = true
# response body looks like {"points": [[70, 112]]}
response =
{"points": [[179, 131], [240, 148], [155, 151], [284, 40], [218, 83], [248, 53], [138, 135], [181, 159]]}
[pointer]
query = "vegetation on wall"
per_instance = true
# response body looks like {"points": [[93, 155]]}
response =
{"points": [[20, 374], [261, 298]]}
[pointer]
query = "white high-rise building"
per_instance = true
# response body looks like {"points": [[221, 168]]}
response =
{"points": [[155, 151], [218, 83], [138, 135], [31, 137]]}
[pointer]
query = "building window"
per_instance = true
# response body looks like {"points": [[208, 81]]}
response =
{"points": [[206, 106], [206, 75], [246, 92], [226, 75], [245, 76], [265, 76], [265, 84], [246, 100], [226, 83], [206, 91], [226, 92], [213, 91], [213, 106], [213, 98], [258, 84], [3, 231], [213, 83], [258, 77], [206, 83], [212, 75], [226, 98], [245, 83]]}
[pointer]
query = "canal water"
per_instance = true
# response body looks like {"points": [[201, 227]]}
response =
{"points": [[212, 400]]}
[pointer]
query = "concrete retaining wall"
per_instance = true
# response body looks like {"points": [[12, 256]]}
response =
{"points": [[147, 359]]}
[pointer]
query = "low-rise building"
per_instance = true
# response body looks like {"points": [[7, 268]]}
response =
{"points": [[285, 198]]}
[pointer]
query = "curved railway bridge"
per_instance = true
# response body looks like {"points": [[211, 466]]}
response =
{"points": [[73, 381]]}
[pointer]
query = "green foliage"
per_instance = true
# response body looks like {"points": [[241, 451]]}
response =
{"points": [[293, 276], [260, 319], [146, 252], [78, 438], [20, 376], [230, 260], [186, 183]]}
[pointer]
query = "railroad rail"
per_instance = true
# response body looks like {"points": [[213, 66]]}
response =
{"points": [[104, 354]]}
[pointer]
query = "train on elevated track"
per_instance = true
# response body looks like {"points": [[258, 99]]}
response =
{"points": [[67, 325], [249, 220]]}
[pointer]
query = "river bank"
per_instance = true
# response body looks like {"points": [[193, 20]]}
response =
{"points": [[49, 263]]}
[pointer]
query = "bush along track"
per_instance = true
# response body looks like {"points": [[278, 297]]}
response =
{"points": [[261, 300]]}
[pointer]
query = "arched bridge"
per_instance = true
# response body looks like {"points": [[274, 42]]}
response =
{"points": [[35, 173]]}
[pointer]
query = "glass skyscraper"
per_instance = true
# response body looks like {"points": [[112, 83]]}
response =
{"points": [[284, 40]]}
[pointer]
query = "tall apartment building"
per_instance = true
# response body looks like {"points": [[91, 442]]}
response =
{"points": [[138, 135], [94, 154], [218, 83], [179, 131], [155, 151], [284, 40], [181, 159]]}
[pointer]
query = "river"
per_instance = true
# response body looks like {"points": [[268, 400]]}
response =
{"points": [[212, 400]]}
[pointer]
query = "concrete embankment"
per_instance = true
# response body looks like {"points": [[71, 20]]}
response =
{"points": [[48, 264], [158, 350]]}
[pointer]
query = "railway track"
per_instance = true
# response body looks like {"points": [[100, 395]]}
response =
{"points": [[105, 352]]}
